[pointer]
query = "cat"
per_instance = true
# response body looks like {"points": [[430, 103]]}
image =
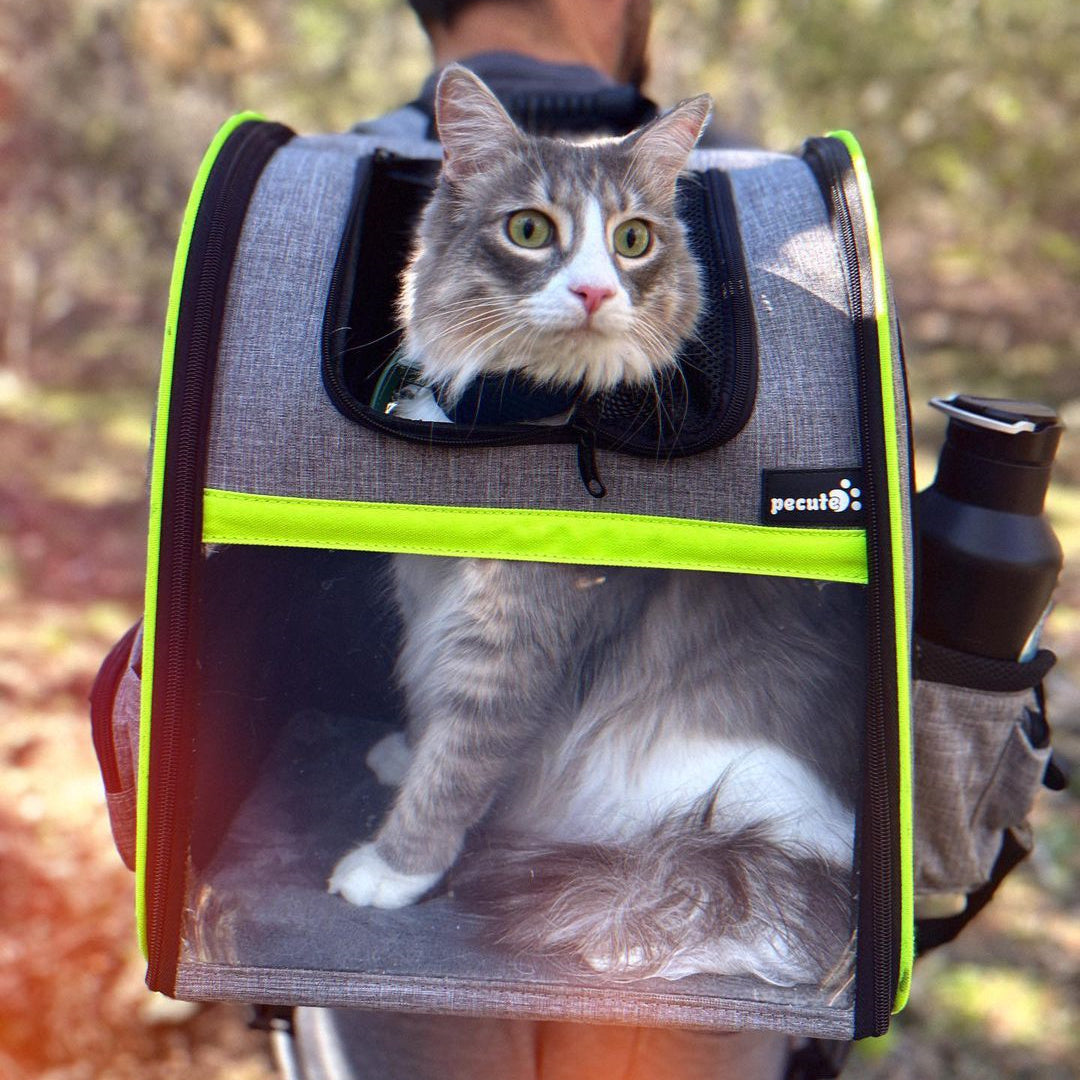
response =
{"points": [[610, 762]]}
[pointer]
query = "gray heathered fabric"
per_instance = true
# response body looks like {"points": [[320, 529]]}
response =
{"points": [[978, 775], [907, 528], [408, 122], [121, 802], [274, 430], [461, 997]]}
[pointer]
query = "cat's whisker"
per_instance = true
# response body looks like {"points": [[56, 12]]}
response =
{"points": [[472, 323], [483, 348], [461, 318], [707, 346], [507, 301], [661, 412], [502, 332], [677, 372], [654, 337], [497, 305], [677, 425], [643, 417], [474, 329], [637, 423], [471, 315], [365, 344]]}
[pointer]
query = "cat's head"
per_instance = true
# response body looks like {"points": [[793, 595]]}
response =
{"points": [[562, 261]]}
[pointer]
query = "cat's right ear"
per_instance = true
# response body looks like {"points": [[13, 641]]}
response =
{"points": [[471, 124], [661, 148]]}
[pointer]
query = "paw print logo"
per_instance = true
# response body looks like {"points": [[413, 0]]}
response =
{"points": [[844, 497]]}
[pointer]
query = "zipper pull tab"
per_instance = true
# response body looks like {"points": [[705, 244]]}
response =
{"points": [[586, 462]]}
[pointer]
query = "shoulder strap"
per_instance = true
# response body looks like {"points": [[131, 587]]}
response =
{"points": [[614, 110]]}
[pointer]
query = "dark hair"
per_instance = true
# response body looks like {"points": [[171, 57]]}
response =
{"points": [[443, 12], [437, 11]]}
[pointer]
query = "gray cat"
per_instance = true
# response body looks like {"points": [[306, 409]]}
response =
{"points": [[639, 772]]}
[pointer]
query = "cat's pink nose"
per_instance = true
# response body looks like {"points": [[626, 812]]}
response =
{"points": [[592, 296]]}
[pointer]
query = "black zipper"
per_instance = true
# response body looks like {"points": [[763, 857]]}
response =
{"points": [[737, 336], [879, 930], [212, 248], [586, 459], [740, 333]]}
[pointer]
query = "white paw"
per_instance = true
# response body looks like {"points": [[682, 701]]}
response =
{"points": [[389, 759], [633, 957], [366, 879]]}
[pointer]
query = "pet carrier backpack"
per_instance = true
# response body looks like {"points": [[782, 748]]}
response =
{"points": [[237, 771]]}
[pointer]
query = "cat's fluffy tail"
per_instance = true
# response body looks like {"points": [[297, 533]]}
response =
{"points": [[682, 898]]}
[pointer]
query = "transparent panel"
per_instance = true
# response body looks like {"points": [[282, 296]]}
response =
{"points": [[527, 773]]}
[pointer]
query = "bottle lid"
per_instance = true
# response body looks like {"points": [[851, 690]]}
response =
{"points": [[1025, 432]]}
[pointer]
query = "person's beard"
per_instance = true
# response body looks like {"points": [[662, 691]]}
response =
{"points": [[633, 67]]}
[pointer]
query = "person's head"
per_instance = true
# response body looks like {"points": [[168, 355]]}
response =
{"points": [[611, 35]]}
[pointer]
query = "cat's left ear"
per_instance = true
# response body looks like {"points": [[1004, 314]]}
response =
{"points": [[472, 125], [661, 148]]}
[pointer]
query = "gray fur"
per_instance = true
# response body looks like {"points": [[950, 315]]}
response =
{"points": [[608, 757], [684, 897], [525, 682]]}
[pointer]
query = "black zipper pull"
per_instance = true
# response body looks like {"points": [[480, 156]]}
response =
{"points": [[586, 462]]}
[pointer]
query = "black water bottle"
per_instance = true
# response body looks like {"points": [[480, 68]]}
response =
{"points": [[989, 560]]}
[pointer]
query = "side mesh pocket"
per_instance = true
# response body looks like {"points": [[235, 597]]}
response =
{"points": [[982, 745], [114, 718]]}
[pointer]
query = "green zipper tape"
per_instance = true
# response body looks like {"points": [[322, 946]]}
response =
{"points": [[900, 544], [157, 483], [537, 535]]}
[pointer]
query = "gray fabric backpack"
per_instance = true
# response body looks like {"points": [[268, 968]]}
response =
{"points": [[232, 727]]}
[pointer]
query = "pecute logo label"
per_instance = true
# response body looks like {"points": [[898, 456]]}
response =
{"points": [[812, 497]]}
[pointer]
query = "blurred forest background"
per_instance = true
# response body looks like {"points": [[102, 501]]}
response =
{"points": [[969, 112]]}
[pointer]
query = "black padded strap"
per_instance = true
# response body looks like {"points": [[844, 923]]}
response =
{"points": [[818, 1059], [936, 663], [615, 110]]}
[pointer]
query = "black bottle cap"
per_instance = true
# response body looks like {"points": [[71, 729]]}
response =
{"points": [[1000, 429]]}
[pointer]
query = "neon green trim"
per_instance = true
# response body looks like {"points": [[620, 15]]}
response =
{"points": [[157, 476], [899, 543], [536, 535]]}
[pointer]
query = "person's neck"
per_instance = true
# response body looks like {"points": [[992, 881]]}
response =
{"points": [[564, 34]]}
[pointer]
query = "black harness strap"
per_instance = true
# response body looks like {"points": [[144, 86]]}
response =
{"points": [[614, 110]]}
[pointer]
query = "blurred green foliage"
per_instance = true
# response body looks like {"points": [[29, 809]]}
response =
{"points": [[969, 111], [105, 109]]}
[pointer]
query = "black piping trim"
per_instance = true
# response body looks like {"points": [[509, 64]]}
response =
{"points": [[877, 961], [215, 238]]}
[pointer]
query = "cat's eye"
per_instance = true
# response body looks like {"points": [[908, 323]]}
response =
{"points": [[632, 239], [530, 229]]}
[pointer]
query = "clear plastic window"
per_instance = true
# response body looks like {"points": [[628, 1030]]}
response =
{"points": [[537, 774]]}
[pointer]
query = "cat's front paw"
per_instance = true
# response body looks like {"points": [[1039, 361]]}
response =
{"points": [[365, 878]]}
